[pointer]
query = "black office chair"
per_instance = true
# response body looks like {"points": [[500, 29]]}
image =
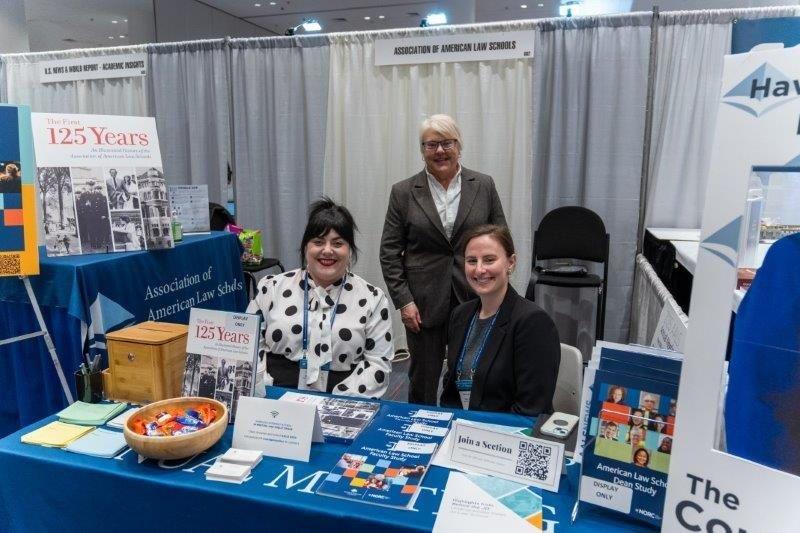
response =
{"points": [[572, 232], [220, 217]]}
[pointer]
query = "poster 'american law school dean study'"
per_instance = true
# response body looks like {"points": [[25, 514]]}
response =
{"points": [[19, 254], [102, 183]]}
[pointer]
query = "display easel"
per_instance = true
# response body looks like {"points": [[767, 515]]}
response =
{"points": [[42, 333]]}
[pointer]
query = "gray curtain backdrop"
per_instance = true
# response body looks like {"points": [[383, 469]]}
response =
{"points": [[590, 85], [280, 95], [691, 48], [187, 93]]}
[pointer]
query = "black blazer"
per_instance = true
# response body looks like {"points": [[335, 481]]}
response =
{"points": [[420, 264], [519, 367]]}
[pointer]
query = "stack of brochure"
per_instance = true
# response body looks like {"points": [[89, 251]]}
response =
{"points": [[55, 434], [234, 465], [373, 472], [90, 414], [342, 418], [626, 428], [99, 443]]}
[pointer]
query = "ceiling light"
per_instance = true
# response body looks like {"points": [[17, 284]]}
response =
{"points": [[121, 36], [273, 3], [381, 17], [124, 20], [308, 25], [111, 37], [257, 5], [436, 19], [114, 22], [311, 25], [524, 6], [367, 18], [540, 5]]}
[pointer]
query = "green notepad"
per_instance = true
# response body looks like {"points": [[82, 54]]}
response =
{"points": [[90, 414]]}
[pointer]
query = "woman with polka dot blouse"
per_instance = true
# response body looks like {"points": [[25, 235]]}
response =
{"points": [[325, 328]]}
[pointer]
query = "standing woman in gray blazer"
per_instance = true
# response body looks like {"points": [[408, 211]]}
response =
{"points": [[422, 247]]}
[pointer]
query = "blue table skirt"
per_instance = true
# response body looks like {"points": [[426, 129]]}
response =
{"points": [[102, 293], [45, 489]]}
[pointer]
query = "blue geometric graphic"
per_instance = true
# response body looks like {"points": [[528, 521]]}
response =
{"points": [[766, 78], [726, 237]]}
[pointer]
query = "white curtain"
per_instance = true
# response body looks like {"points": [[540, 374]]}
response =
{"points": [[691, 49], [280, 96], [590, 85], [120, 96], [189, 97], [374, 115]]}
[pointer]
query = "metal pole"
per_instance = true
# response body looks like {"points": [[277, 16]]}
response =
{"points": [[47, 340], [648, 127]]}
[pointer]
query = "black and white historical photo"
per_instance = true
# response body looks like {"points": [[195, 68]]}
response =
{"points": [[155, 207], [123, 193], [91, 205], [127, 230], [58, 211]]}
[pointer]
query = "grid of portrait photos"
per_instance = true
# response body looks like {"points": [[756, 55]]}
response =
{"points": [[224, 380], [635, 427], [104, 209]]}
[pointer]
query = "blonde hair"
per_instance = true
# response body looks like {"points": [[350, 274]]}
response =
{"points": [[443, 125]]}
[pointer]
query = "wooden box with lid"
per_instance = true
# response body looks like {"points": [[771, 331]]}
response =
{"points": [[146, 362]]}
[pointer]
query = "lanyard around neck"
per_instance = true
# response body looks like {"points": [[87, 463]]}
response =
{"points": [[481, 348], [305, 309]]}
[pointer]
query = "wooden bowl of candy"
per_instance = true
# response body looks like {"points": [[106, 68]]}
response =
{"points": [[176, 428]]}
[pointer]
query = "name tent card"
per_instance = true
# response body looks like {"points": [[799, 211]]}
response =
{"points": [[516, 458], [277, 428]]}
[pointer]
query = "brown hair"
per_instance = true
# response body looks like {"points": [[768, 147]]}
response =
{"points": [[497, 232]]}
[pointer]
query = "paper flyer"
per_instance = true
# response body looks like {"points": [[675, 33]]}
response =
{"points": [[474, 503]]}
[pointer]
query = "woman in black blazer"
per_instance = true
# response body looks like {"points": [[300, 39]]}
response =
{"points": [[503, 351]]}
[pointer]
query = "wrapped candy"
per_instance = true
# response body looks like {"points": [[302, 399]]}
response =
{"points": [[175, 421]]}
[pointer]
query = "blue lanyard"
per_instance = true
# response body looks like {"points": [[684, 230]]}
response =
{"points": [[481, 348], [305, 309]]}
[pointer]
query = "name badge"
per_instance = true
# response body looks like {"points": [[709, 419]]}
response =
{"points": [[464, 387], [322, 381]]}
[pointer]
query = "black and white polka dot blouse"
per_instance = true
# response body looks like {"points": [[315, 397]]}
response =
{"points": [[361, 335]]}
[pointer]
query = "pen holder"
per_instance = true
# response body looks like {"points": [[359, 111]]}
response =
{"points": [[89, 386]]}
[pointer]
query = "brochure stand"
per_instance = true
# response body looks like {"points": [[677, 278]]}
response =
{"points": [[41, 333]]}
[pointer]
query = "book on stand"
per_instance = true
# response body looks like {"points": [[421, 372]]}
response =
{"points": [[221, 356]]}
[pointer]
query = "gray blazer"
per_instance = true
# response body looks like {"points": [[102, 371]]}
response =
{"points": [[420, 264]]}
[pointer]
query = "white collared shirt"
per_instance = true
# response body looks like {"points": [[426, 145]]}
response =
{"points": [[446, 200]]}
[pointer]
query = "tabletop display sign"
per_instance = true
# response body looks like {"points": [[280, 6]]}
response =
{"points": [[277, 428], [189, 205], [386, 463], [102, 184], [517, 458], [19, 255], [628, 425], [709, 488], [221, 356]]}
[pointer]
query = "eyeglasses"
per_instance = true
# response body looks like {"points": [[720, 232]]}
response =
{"points": [[432, 146]]}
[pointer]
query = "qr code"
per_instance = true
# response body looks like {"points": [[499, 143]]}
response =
{"points": [[533, 460], [9, 264]]}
